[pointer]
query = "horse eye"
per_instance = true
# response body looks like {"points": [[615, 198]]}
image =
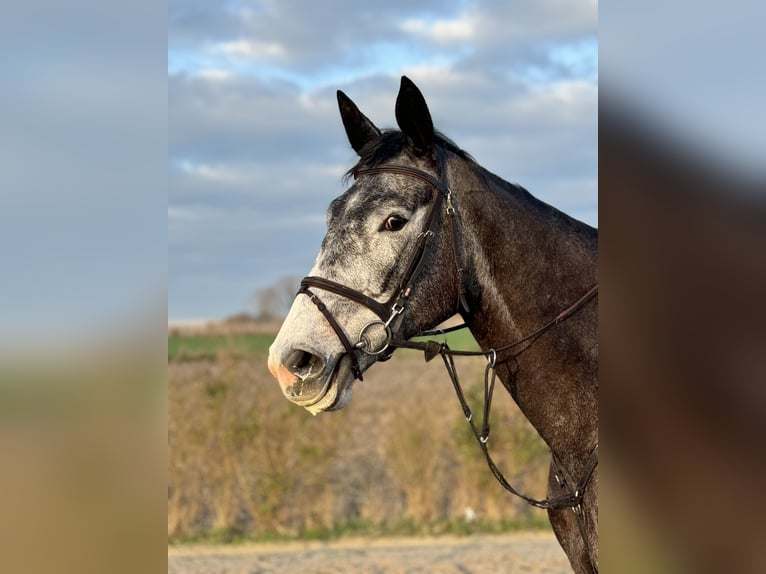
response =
{"points": [[394, 223]]}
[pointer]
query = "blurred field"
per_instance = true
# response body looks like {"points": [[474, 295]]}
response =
{"points": [[185, 347], [206, 343], [245, 464], [520, 552]]}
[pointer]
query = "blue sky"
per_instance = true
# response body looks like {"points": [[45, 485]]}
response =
{"points": [[256, 148]]}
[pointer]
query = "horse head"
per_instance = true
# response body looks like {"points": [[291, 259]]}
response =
{"points": [[388, 265]]}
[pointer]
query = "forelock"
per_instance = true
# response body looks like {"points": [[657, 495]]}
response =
{"points": [[392, 143]]}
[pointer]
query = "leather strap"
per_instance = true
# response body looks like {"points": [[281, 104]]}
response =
{"points": [[350, 350]]}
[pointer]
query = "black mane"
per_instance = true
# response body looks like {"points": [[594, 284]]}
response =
{"points": [[393, 142]]}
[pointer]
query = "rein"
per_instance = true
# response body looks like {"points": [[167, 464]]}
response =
{"points": [[391, 309], [432, 348]]}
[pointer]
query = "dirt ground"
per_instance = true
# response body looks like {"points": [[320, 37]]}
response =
{"points": [[527, 552]]}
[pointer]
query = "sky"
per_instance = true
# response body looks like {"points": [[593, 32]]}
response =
{"points": [[83, 176], [256, 148]]}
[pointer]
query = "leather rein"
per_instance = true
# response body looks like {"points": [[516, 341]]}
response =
{"points": [[388, 311]]}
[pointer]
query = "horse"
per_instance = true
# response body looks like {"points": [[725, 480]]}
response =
{"points": [[424, 233]]}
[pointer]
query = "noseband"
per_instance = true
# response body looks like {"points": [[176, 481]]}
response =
{"points": [[391, 309]]}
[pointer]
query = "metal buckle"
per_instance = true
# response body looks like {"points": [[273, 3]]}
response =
{"points": [[396, 309], [491, 358], [578, 496], [450, 207]]}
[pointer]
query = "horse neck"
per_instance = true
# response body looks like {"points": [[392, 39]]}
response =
{"points": [[527, 262]]}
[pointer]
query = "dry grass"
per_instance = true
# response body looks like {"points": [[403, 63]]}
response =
{"points": [[245, 462]]}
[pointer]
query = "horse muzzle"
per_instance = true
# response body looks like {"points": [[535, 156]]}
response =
{"points": [[311, 381]]}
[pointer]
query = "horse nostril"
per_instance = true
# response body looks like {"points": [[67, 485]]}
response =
{"points": [[300, 362]]}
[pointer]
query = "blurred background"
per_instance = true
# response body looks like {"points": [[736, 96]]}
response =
{"points": [[256, 152], [163, 165]]}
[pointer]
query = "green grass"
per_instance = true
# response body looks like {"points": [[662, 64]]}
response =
{"points": [[462, 340], [208, 346], [192, 347]]}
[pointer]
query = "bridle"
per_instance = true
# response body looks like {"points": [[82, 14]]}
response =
{"points": [[389, 310]]}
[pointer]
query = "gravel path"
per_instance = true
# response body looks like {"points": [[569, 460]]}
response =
{"points": [[529, 553]]}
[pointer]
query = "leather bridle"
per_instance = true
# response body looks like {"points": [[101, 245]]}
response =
{"points": [[389, 310]]}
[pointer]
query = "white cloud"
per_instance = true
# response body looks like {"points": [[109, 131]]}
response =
{"points": [[250, 49], [442, 31], [251, 179], [213, 173], [214, 74], [567, 100]]}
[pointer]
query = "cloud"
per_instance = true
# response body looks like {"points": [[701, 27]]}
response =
{"points": [[257, 150], [442, 31], [214, 74], [249, 49]]}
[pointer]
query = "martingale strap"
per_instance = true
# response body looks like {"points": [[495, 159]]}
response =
{"points": [[395, 305], [573, 499]]}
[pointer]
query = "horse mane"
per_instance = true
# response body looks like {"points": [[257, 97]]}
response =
{"points": [[393, 142]]}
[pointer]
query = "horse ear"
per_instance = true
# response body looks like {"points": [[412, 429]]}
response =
{"points": [[359, 129], [413, 116]]}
